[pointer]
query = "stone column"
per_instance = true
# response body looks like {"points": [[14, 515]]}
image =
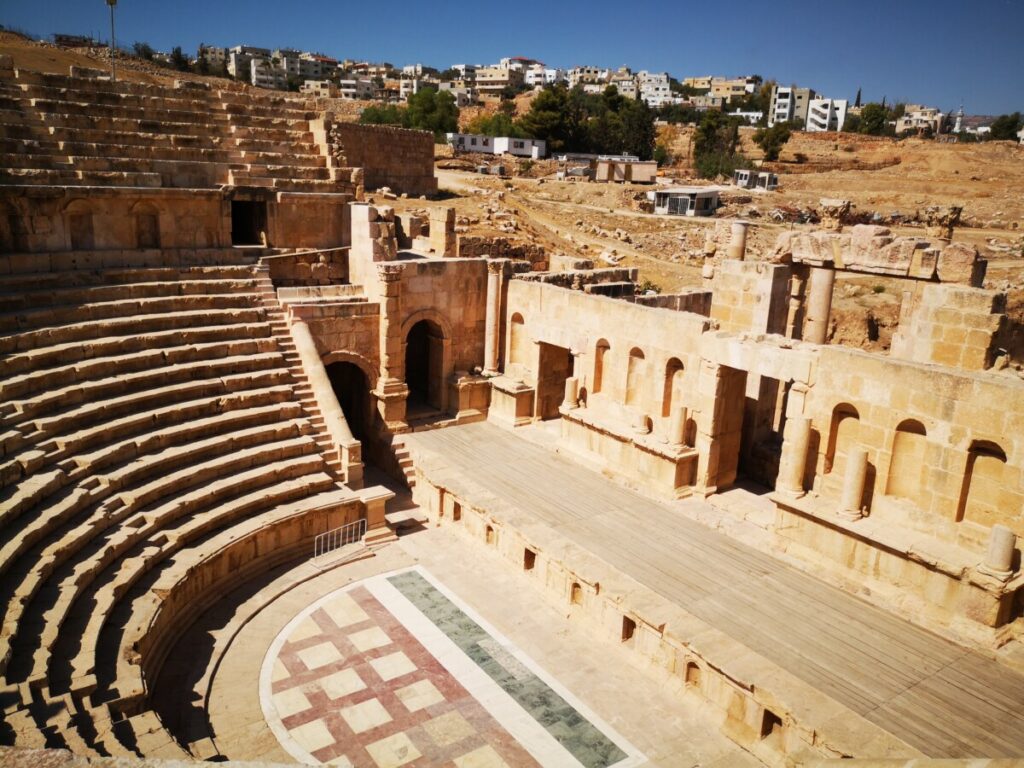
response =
{"points": [[796, 290], [492, 334], [819, 304], [793, 462], [349, 449], [572, 393], [851, 502], [738, 241], [375, 501], [999, 560], [677, 427], [392, 391]]}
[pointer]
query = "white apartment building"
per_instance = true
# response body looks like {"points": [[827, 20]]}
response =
{"points": [[654, 88], [264, 74], [464, 96], [215, 57], [466, 71], [789, 104], [626, 86], [493, 80], [240, 57], [919, 118], [412, 70], [752, 118], [408, 86], [356, 88], [538, 75], [580, 75], [826, 115], [323, 89], [497, 145]]}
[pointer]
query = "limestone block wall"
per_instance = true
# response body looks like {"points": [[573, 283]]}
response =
{"points": [[453, 294], [696, 301], [55, 219], [312, 267], [503, 248], [629, 359], [951, 325], [307, 220], [390, 157], [945, 448], [347, 332], [750, 296]]}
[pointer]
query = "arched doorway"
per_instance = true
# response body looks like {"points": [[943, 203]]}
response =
{"points": [[352, 389], [424, 366]]}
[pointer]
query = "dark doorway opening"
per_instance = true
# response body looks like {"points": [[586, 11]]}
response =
{"points": [[353, 392], [424, 366], [555, 367], [248, 222]]}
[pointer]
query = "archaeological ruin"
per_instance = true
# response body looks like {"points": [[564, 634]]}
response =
{"points": [[289, 475]]}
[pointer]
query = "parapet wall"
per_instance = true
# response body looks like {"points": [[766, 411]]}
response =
{"points": [[390, 157]]}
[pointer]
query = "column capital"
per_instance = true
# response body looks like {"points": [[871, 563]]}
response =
{"points": [[389, 272]]}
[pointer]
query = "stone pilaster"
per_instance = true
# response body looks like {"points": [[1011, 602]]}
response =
{"points": [[392, 391]]}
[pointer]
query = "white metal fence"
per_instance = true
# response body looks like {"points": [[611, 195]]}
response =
{"points": [[327, 543]]}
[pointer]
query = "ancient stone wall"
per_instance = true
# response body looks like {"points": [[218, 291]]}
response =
{"points": [[945, 447], [750, 296], [951, 325], [390, 157], [503, 248]]}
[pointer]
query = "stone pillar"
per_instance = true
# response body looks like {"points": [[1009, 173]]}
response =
{"points": [[793, 462], [819, 304], [392, 391], [375, 501], [851, 503], [796, 290], [492, 334], [999, 560], [677, 427], [572, 393], [349, 449], [738, 241]]}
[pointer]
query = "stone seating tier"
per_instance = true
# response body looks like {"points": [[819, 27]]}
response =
{"points": [[150, 424], [62, 131]]}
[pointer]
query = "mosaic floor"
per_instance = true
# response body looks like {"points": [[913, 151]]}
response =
{"points": [[395, 670]]}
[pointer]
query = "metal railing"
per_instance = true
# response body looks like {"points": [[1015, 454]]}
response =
{"points": [[337, 538]]}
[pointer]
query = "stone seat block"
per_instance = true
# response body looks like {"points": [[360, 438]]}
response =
{"points": [[272, 146], [128, 306], [136, 532], [76, 351], [289, 159], [41, 161], [279, 134], [115, 277], [226, 455], [212, 154], [124, 325], [160, 373], [27, 145], [129, 111], [17, 296], [55, 177], [72, 120], [289, 172], [21, 130], [141, 642], [37, 380]]}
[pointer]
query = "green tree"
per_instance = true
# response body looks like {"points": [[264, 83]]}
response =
{"points": [[430, 110], [385, 114], [1005, 127], [498, 124], [179, 60], [549, 118], [851, 124], [714, 145], [873, 118], [143, 51], [771, 140]]}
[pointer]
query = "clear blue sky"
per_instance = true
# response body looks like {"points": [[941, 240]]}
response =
{"points": [[936, 52]]}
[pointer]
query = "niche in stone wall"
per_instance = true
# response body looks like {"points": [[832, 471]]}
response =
{"points": [[600, 363], [672, 394], [635, 377], [843, 434], [519, 342], [80, 226], [147, 226], [906, 467], [983, 485]]}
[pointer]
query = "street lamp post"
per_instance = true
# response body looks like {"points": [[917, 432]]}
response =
{"points": [[113, 42]]}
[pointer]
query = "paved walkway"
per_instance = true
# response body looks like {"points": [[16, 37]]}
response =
{"points": [[943, 699]]}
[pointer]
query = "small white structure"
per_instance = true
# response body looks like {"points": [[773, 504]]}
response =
{"points": [[826, 115], [751, 118], [685, 201], [498, 145]]}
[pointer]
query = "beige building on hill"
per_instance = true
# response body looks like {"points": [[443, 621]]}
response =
{"points": [[293, 476]]}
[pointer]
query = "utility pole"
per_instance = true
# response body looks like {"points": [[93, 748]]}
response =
{"points": [[113, 42]]}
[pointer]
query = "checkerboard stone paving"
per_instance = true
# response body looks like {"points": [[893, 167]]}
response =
{"points": [[352, 687]]}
